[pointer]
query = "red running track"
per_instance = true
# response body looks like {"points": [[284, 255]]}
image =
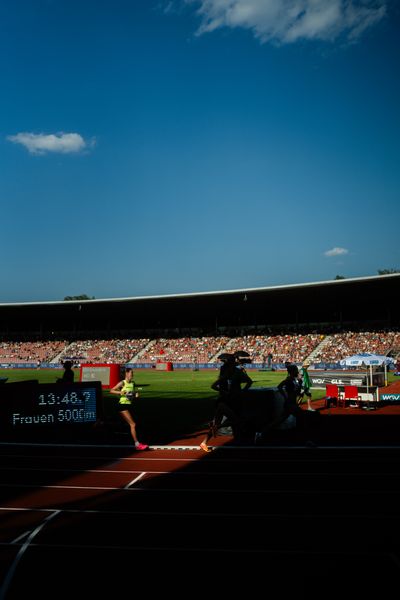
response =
{"points": [[109, 520]]}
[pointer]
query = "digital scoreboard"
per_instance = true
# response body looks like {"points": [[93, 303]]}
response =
{"points": [[29, 409]]}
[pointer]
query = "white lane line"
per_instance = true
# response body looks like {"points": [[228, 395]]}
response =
{"points": [[128, 485], [21, 551], [115, 460], [80, 471], [267, 515], [272, 460], [21, 537], [55, 487], [202, 473], [223, 447], [102, 458], [303, 492]]}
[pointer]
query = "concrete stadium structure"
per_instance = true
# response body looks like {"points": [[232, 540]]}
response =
{"points": [[370, 301]]}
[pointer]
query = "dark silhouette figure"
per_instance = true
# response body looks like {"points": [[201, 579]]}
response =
{"points": [[68, 375], [288, 364], [232, 377], [290, 389]]}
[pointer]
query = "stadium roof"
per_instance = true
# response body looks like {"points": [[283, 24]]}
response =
{"points": [[299, 286], [361, 301]]}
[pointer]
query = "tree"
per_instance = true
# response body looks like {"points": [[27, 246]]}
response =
{"points": [[387, 271], [81, 297], [340, 277]]}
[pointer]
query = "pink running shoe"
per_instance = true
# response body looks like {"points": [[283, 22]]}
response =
{"points": [[140, 446], [204, 447]]}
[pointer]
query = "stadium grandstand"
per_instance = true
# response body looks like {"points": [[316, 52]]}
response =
{"points": [[320, 321]]}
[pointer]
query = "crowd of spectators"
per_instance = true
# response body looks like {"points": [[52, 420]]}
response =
{"points": [[340, 345], [295, 347], [104, 351], [187, 349], [30, 352]]}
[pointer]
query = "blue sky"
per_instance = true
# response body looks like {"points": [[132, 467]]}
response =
{"points": [[164, 147]]}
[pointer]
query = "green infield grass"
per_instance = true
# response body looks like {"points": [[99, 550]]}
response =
{"points": [[172, 404]]}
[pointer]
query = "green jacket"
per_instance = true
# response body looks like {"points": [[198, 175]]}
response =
{"points": [[306, 378]]}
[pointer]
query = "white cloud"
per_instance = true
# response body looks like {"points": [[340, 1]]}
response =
{"points": [[336, 252], [64, 143], [286, 21]]}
